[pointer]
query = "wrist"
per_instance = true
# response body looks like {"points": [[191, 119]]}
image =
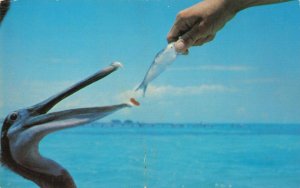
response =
{"points": [[235, 6]]}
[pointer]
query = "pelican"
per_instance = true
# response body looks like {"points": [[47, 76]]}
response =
{"points": [[23, 130]]}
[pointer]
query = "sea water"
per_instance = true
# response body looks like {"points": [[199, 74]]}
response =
{"points": [[174, 155]]}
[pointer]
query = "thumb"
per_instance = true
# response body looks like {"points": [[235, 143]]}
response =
{"points": [[190, 37]]}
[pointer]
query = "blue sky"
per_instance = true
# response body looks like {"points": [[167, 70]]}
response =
{"points": [[249, 73]]}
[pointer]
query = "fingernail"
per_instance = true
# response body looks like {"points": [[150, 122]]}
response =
{"points": [[180, 46]]}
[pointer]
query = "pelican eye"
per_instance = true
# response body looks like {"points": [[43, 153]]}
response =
{"points": [[13, 116]]}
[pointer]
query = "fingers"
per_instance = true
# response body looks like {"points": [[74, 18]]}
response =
{"points": [[203, 40], [189, 37], [197, 35], [181, 47], [190, 31], [182, 25], [179, 28], [173, 34]]}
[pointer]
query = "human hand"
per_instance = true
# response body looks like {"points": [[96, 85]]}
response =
{"points": [[199, 24]]}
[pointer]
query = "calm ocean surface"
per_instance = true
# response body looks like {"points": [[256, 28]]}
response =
{"points": [[168, 155]]}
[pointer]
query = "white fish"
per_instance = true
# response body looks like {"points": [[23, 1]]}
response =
{"points": [[161, 61]]}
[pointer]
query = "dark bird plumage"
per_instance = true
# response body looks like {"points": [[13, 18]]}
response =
{"points": [[23, 129], [4, 7]]}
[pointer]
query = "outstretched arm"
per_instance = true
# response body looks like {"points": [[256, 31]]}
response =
{"points": [[199, 24], [242, 4]]}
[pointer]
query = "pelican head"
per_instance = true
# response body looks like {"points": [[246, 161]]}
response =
{"points": [[23, 129]]}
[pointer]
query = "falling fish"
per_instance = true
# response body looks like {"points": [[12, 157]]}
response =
{"points": [[161, 61]]}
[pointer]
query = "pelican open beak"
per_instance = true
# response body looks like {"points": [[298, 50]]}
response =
{"points": [[23, 129], [41, 123]]}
